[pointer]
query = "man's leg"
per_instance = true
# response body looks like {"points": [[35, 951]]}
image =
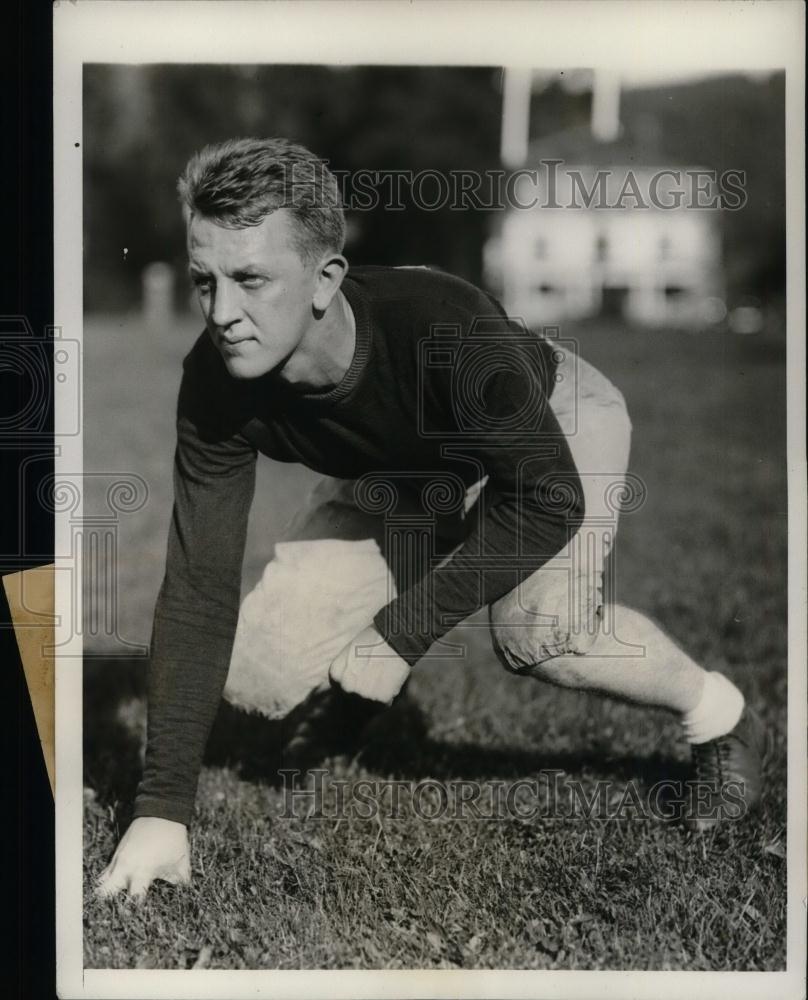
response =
{"points": [[653, 671], [614, 650], [555, 628], [544, 627], [326, 581]]}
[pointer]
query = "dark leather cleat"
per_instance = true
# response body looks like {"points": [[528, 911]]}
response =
{"points": [[332, 722], [726, 781]]}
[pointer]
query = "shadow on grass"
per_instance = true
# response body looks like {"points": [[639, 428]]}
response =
{"points": [[395, 743], [398, 745], [114, 693]]}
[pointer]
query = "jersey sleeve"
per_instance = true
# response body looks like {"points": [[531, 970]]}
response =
{"points": [[197, 608], [534, 497]]}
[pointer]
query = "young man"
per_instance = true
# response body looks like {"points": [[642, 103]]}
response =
{"points": [[499, 452]]}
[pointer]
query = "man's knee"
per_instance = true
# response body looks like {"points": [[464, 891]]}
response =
{"points": [[569, 670], [551, 652]]}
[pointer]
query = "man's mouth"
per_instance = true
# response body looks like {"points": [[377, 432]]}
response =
{"points": [[231, 342]]}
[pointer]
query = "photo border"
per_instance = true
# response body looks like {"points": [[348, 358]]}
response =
{"points": [[705, 37]]}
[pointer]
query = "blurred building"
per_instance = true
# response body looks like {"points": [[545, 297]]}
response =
{"points": [[593, 241], [656, 266]]}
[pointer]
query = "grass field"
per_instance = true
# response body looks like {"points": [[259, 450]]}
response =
{"points": [[706, 556]]}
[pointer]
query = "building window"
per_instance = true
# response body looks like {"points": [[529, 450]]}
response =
{"points": [[601, 248], [614, 300]]}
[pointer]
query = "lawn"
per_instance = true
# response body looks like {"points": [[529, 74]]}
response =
{"points": [[705, 555]]}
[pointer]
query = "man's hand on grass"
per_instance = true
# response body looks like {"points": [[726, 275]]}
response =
{"points": [[151, 848], [369, 667]]}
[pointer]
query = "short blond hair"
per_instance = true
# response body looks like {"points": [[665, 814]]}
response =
{"points": [[239, 182]]}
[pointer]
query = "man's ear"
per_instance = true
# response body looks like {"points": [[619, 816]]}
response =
{"points": [[330, 271]]}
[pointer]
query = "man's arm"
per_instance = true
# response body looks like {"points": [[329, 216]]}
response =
{"points": [[197, 608], [538, 501], [194, 623]]}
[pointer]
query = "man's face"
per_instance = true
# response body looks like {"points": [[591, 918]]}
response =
{"points": [[254, 289]]}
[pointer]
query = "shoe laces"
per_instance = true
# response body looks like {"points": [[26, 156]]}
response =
{"points": [[711, 760]]}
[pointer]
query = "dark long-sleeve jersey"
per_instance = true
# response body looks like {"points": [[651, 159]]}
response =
{"points": [[442, 388]]}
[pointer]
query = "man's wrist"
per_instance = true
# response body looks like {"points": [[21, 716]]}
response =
{"points": [[176, 811], [410, 646]]}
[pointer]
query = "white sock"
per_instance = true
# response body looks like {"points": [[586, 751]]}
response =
{"points": [[718, 711]]}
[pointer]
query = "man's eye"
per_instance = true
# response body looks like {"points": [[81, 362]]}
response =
{"points": [[202, 285], [252, 281]]}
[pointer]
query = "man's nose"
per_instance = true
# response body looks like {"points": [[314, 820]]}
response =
{"points": [[225, 308]]}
